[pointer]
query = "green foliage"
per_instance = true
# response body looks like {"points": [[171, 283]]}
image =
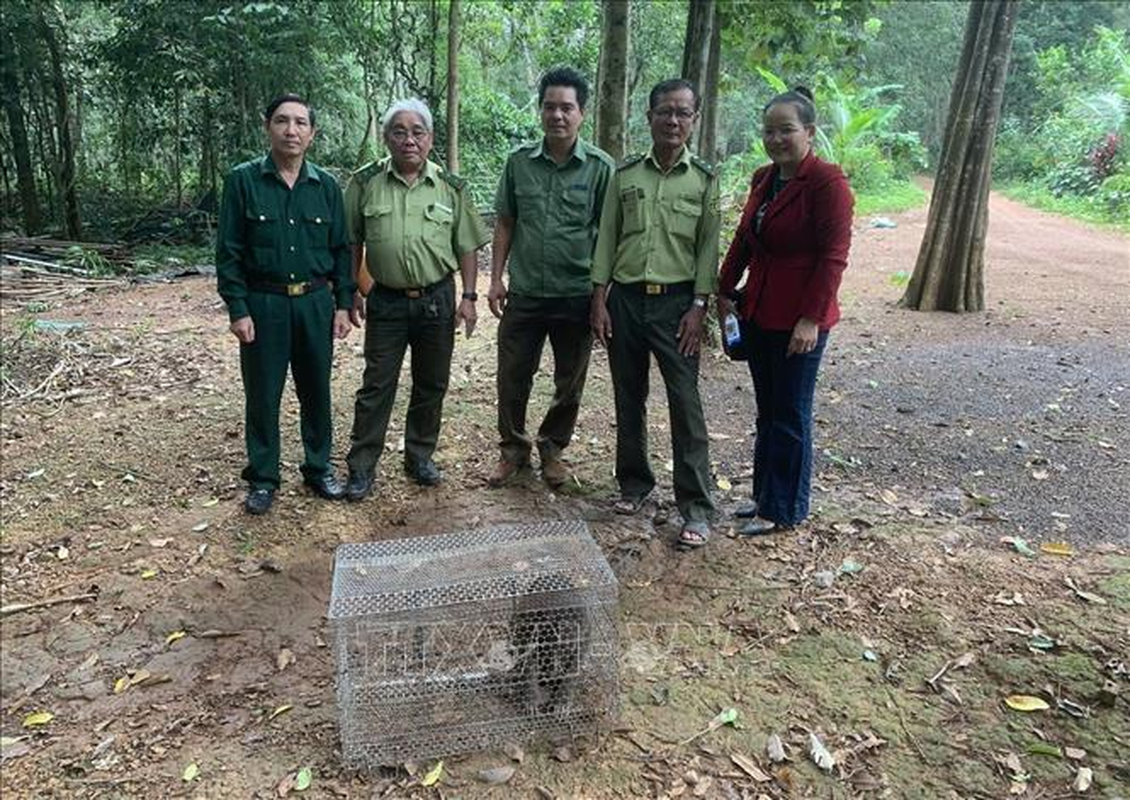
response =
{"points": [[1089, 209]]}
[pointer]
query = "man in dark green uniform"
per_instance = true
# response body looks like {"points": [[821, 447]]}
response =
{"points": [[412, 225], [548, 204], [654, 268], [282, 266]]}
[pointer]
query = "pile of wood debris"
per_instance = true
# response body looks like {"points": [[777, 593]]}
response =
{"points": [[35, 270]]}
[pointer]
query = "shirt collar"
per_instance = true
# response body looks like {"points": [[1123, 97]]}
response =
{"points": [[578, 151], [684, 159], [267, 166], [430, 172]]}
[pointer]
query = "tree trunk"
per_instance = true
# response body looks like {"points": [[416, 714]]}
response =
{"points": [[696, 43], [21, 149], [453, 86], [64, 123], [178, 176], [613, 94], [949, 273], [708, 127]]}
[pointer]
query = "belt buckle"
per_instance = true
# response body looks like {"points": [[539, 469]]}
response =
{"points": [[295, 289], [413, 294], [653, 288]]}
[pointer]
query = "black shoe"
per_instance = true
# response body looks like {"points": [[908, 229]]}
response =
{"points": [[425, 473], [327, 486], [746, 511], [258, 501], [359, 486]]}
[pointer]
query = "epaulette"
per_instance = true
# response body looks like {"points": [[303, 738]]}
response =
{"points": [[456, 182], [523, 146], [363, 174], [631, 160], [704, 165]]}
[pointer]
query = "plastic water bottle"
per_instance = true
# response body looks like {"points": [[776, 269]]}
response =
{"points": [[733, 331]]}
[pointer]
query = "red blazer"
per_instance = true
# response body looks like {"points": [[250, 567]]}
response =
{"points": [[796, 263]]}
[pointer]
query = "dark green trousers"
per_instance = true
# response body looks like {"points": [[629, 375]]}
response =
{"points": [[526, 324], [393, 324], [294, 332], [643, 325]]}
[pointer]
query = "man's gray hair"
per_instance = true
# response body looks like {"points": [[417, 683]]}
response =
{"points": [[411, 105]]}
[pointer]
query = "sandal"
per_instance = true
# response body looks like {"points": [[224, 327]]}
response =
{"points": [[630, 505], [693, 535]]}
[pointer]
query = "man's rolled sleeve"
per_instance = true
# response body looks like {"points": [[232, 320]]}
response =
{"points": [[230, 249], [706, 248], [608, 237], [470, 233]]}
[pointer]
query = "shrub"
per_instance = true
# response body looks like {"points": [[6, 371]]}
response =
{"points": [[1114, 194]]}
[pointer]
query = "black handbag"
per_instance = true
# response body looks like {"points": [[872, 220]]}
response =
{"points": [[739, 350]]}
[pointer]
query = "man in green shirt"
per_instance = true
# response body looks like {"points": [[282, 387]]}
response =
{"points": [[654, 268], [412, 225], [280, 243], [548, 206]]}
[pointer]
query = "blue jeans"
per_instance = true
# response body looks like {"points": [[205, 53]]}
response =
{"points": [[782, 452]]}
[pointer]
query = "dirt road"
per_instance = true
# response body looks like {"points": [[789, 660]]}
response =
{"points": [[938, 435]]}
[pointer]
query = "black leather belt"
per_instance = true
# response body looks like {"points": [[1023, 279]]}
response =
{"points": [[684, 287], [413, 293], [289, 289]]}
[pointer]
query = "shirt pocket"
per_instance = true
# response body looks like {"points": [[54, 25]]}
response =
{"points": [[633, 209], [575, 210], [439, 219], [262, 227], [531, 204], [378, 221], [316, 227], [684, 216]]}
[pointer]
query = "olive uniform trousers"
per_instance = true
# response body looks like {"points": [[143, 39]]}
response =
{"points": [[295, 332]]}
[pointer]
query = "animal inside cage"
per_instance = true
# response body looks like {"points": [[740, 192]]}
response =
{"points": [[467, 641]]}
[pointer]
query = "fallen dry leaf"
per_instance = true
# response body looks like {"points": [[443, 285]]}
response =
{"points": [[433, 775], [1075, 753], [819, 753], [279, 711], [965, 660], [284, 659], [749, 767], [1026, 702], [38, 719], [775, 749], [495, 776], [1083, 778], [1057, 548]]}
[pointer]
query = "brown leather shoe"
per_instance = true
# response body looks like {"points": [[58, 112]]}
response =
{"points": [[504, 472], [554, 472]]}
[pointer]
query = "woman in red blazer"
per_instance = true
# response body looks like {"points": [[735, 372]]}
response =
{"points": [[793, 240]]}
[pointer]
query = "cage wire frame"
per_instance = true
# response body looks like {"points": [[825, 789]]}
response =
{"points": [[466, 641]]}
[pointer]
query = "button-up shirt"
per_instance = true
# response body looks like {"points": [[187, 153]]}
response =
{"points": [[269, 232], [413, 234], [556, 211], [660, 227]]}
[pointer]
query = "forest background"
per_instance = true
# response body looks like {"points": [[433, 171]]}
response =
{"points": [[122, 116]]}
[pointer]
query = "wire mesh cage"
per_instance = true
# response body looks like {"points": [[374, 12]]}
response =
{"points": [[466, 641]]}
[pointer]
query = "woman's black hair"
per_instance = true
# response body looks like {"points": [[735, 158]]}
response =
{"points": [[801, 97]]}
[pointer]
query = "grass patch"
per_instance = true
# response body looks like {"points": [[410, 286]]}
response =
{"points": [[890, 199], [1082, 208], [157, 257]]}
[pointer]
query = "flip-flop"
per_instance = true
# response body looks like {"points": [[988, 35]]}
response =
{"points": [[746, 511], [693, 536], [629, 505]]}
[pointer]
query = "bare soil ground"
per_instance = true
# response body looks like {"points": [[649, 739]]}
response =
{"points": [[892, 625]]}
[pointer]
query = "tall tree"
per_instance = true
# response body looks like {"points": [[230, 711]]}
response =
{"points": [[696, 42], [17, 129], [453, 86], [53, 32], [949, 273], [708, 125], [612, 109]]}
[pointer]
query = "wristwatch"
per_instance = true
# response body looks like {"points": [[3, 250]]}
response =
{"points": [[700, 302], [472, 296]]}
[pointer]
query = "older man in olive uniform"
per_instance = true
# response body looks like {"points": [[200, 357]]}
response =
{"points": [[280, 244], [413, 226], [548, 202], [654, 268]]}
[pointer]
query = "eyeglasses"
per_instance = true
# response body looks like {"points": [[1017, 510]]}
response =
{"points": [[403, 134], [681, 114]]}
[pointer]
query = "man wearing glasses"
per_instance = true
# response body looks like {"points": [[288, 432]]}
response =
{"points": [[548, 203], [412, 227], [654, 268]]}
